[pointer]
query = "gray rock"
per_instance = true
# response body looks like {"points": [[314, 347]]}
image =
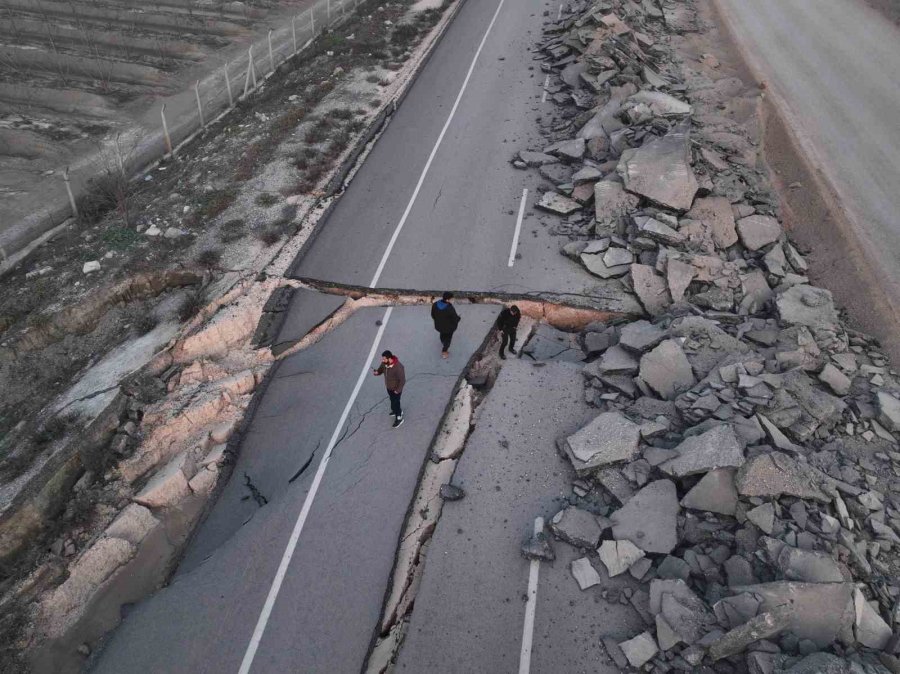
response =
{"points": [[450, 492], [888, 411], [661, 104], [597, 342], [571, 150], [870, 629], [715, 492], [587, 174], [609, 438], [763, 516], [672, 567], [585, 575], [821, 612], [651, 289], [557, 203], [761, 663], [658, 588], [576, 527], [660, 170], [805, 305], [777, 474], [822, 663], [736, 610], [658, 231], [666, 370], [539, 547], [678, 276], [640, 568], [649, 519], [594, 263], [739, 571], [615, 257], [615, 360], [615, 653], [808, 566], [640, 336], [688, 616], [536, 158], [612, 202], [618, 556], [665, 635], [558, 174], [716, 448], [758, 231], [762, 626], [640, 649], [716, 214]]}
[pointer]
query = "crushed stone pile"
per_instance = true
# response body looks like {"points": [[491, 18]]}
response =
{"points": [[742, 466]]}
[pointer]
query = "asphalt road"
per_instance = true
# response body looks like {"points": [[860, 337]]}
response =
{"points": [[834, 68], [330, 601], [460, 226], [469, 613]]}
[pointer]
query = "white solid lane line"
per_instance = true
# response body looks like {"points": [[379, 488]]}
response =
{"points": [[515, 241], [434, 150], [530, 606], [263, 620], [546, 84]]}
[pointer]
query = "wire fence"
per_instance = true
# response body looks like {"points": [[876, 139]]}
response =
{"points": [[215, 96]]}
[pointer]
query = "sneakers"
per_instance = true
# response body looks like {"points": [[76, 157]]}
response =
{"points": [[398, 421], [445, 355], [512, 351]]}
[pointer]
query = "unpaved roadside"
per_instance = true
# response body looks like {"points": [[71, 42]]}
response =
{"points": [[815, 151]]}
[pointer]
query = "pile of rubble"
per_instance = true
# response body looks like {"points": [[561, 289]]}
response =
{"points": [[742, 464]]}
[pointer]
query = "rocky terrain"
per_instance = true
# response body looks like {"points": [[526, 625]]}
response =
{"points": [[742, 463]]}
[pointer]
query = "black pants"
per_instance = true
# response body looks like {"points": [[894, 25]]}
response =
{"points": [[446, 338], [395, 404], [507, 336]]}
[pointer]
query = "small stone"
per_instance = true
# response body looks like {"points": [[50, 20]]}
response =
{"points": [[153, 230], [640, 336], [888, 411], [90, 267], [666, 370], [715, 492], [450, 492], [557, 203], [539, 547], [174, 233], [576, 527]]}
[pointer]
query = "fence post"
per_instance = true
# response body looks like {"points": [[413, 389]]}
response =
{"points": [[119, 160], [328, 11], [228, 86], [69, 190], [162, 114], [271, 55], [199, 104], [312, 22], [294, 31]]}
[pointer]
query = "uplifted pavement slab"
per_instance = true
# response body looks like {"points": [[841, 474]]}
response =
{"points": [[469, 612], [332, 595], [307, 309]]}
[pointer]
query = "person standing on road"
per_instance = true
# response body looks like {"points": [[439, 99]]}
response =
{"points": [[445, 318], [394, 380], [507, 322]]}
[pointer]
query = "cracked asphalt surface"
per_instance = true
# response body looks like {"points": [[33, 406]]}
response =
{"points": [[332, 595]]}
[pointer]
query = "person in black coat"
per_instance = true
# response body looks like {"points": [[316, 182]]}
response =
{"points": [[507, 322], [445, 318]]}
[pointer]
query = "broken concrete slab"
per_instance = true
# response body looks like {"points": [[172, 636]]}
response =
{"points": [[168, 486], [679, 276], [651, 289], [133, 524], [576, 527], [584, 573], [821, 612], [594, 263], [716, 448], [557, 203], [762, 626], [618, 556], [715, 492], [661, 104], [640, 336], [758, 231], [763, 516], [776, 474], [612, 202], [615, 360], [666, 369], [658, 231], [806, 305], [538, 547], [689, 616], [640, 649], [808, 566], [869, 627], [715, 213], [660, 170], [535, 159], [665, 635], [888, 411], [658, 588], [571, 150], [609, 438], [649, 519]]}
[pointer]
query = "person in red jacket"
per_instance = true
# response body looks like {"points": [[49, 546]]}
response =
{"points": [[394, 380]]}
